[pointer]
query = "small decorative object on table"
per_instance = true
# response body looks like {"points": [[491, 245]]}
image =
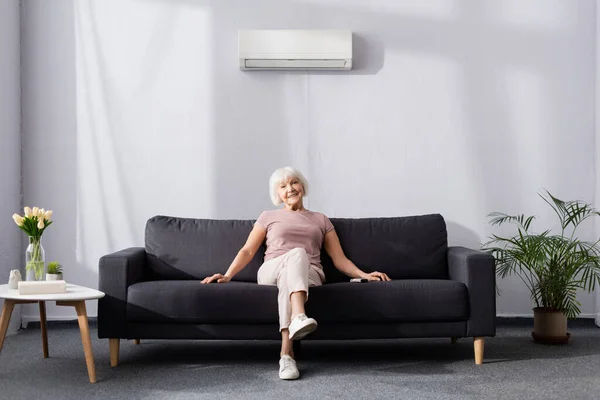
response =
{"points": [[54, 271], [34, 223], [14, 279], [42, 287]]}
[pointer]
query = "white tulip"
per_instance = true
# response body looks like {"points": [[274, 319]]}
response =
{"points": [[27, 211], [41, 212], [34, 212], [40, 224], [48, 215], [18, 219]]}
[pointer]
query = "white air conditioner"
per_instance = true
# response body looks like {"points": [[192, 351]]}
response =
{"points": [[295, 49]]}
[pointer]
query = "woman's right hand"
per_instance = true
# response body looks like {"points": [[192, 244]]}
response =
{"points": [[219, 278]]}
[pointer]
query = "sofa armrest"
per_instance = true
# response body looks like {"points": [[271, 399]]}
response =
{"points": [[477, 270], [117, 272]]}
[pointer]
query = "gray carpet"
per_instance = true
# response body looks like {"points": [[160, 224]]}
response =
{"points": [[514, 368]]}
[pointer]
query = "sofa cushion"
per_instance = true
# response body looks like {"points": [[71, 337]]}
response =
{"points": [[187, 248], [408, 300], [240, 302], [403, 247], [190, 301]]}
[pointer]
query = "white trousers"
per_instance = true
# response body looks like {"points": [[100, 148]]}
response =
{"points": [[291, 272]]}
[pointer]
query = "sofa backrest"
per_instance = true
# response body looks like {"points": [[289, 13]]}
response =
{"points": [[412, 247], [187, 248], [403, 247]]}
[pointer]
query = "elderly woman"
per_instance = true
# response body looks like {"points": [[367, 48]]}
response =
{"points": [[294, 238]]}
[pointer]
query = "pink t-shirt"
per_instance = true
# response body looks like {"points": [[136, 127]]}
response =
{"points": [[287, 230]]}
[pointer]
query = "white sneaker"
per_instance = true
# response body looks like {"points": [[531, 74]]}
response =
{"points": [[287, 368], [301, 326]]}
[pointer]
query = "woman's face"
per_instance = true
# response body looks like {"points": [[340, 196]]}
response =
{"points": [[290, 191]]}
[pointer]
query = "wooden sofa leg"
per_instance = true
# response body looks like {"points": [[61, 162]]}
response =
{"points": [[478, 345], [453, 339], [114, 351], [136, 341]]}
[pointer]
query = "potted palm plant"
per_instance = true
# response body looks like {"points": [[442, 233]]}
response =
{"points": [[553, 266], [54, 271]]}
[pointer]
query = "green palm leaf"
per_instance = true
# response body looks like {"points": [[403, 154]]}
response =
{"points": [[552, 266]]}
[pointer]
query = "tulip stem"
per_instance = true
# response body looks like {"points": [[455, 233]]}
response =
{"points": [[36, 263]]}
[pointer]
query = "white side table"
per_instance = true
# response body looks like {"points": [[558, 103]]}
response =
{"points": [[74, 297]]}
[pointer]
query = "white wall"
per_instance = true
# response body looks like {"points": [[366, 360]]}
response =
{"points": [[49, 133], [456, 107], [10, 145]]}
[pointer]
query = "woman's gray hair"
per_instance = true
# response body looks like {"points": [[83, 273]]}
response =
{"points": [[279, 176]]}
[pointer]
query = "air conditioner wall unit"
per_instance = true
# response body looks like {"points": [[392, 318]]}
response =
{"points": [[295, 49]]}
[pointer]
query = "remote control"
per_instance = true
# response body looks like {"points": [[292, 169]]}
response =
{"points": [[359, 280]]}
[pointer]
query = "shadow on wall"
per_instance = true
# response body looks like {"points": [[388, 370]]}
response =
{"points": [[368, 54], [460, 235], [11, 249]]}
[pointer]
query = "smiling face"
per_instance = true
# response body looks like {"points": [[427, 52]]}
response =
{"points": [[290, 192]]}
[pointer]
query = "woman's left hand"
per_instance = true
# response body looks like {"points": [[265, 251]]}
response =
{"points": [[376, 276]]}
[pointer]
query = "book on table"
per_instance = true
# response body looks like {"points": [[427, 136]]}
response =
{"points": [[42, 287]]}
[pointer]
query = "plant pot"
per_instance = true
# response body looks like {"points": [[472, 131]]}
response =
{"points": [[549, 326], [54, 277]]}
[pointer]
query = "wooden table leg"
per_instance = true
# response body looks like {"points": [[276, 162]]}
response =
{"points": [[84, 328], [86, 339], [7, 310], [44, 329]]}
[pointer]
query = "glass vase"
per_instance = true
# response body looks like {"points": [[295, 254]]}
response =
{"points": [[35, 258]]}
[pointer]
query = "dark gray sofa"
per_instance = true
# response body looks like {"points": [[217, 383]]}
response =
{"points": [[153, 292]]}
